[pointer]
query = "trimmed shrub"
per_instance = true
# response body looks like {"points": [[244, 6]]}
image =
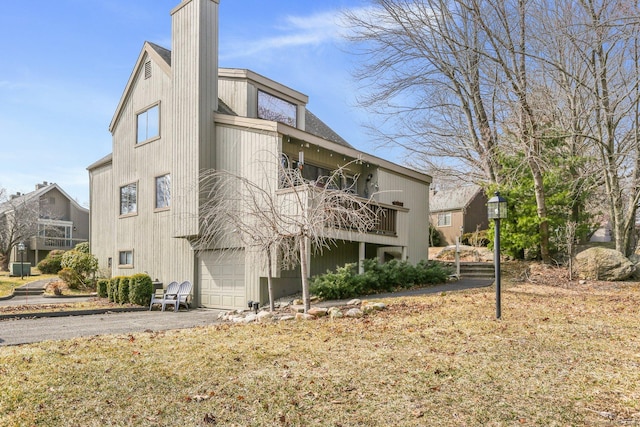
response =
{"points": [[140, 289], [112, 290], [103, 288], [123, 290], [52, 263], [393, 275]]}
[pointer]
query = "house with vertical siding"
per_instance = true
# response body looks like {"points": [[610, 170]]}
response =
{"points": [[180, 114], [61, 222], [456, 211]]}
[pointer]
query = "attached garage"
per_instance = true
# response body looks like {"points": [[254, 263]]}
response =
{"points": [[221, 277]]}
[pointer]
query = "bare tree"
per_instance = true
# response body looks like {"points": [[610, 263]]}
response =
{"points": [[459, 75], [18, 222], [281, 222], [423, 72]]}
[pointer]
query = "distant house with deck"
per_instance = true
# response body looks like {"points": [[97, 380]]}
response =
{"points": [[456, 211], [62, 223]]}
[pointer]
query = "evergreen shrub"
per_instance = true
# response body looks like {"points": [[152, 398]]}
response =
{"points": [[140, 290], [345, 282]]}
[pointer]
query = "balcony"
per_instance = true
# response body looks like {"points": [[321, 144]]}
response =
{"points": [[390, 225], [52, 243]]}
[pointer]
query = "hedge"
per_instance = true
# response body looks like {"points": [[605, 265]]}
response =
{"points": [[103, 288], [387, 277], [136, 289]]}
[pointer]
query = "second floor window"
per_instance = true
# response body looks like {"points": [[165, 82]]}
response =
{"points": [[129, 199], [163, 191], [276, 109], [148, 124]]}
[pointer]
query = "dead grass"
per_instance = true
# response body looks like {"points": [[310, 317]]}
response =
{"points": [[559, 357], [7, 283]]}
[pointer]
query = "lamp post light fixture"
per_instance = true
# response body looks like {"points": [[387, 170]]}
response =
{"points": [[21, 249], [497, 210]]}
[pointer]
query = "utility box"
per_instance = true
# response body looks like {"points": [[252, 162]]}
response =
{"points": [[20, 269]]}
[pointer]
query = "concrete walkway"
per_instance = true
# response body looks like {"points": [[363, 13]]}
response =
{"points": [[31, 330]]}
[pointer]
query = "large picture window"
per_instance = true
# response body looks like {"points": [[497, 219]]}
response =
{"points": [[129, 199], [148, 124], [276, 109], [163, 191]]}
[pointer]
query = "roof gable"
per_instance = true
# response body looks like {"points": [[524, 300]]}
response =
{"points": [[157, 54], [453, 199], [35, 195]]}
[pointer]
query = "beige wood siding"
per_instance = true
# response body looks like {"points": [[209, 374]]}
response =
{"points": [[102, 223], [234, 94], [414, 195], [195, 88]]}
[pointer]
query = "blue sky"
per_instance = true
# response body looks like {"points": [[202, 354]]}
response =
{"points": [[65, 63]]}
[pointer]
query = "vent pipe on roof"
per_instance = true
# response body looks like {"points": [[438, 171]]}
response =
{"points": [[44, 184]]}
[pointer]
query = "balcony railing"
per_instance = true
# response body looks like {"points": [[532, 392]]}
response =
{"points": [[50, 243], [386, 221]]}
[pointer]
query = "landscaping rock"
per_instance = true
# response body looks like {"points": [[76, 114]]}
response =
{"points": [[304, 316], [354, 312], [318, 311], [335, 313], [354, 302], [603, 264], [369, 307], [296, 308], [265, 316]]}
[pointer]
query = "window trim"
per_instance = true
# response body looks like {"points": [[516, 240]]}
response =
{"points": [[124, 251], [137, 115], [128, 214], [155, 187]]}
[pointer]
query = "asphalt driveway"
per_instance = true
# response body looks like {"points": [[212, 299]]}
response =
{"points": [[31, 330]]}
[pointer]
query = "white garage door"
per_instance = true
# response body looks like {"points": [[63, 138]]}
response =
{"points": [[221, 277]]}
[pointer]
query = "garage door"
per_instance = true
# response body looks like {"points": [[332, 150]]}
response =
{"points": [[221, 277]]}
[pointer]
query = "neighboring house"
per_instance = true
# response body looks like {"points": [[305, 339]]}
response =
{"points": [[456, 211], [62, 223], [181, 114]]}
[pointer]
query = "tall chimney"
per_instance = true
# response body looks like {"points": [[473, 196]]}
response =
{"points": [[194, 66]]}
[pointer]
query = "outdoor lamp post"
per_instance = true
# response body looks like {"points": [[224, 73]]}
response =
{"points": [[497, 209], [21, 249]]}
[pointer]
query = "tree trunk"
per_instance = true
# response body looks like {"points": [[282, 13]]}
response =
{"points": [[304, 271], [270, 280], [542, 210]]}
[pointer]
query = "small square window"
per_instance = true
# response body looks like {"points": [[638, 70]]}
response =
{"points": [[125, 258]]}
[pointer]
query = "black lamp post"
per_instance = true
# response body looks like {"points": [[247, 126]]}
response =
{"points": [[21, 249], [497, 209]]}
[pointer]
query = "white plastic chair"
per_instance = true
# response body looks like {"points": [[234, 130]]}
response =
{"points": [[172, 289], [180, 297]]}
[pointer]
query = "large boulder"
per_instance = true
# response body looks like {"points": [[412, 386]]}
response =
{"points": [[603, 264]]}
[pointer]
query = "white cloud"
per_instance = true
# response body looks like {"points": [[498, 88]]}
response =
{"points": [[298, 31]]}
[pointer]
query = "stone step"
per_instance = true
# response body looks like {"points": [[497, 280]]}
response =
{"points": [[475, 269], [26, 291]]}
